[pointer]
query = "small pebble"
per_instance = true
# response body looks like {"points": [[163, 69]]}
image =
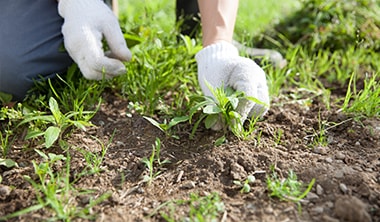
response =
{"points": [[340, 156], [188, 185], [317, 210], [5, 191], [320, 150], [312, 196], [329, 160], [268, 210], [319, 189], [343, 188], [329, 204], [338, 174]]}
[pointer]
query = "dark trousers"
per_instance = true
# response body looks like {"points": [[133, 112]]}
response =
{"points": [[187, 16]]}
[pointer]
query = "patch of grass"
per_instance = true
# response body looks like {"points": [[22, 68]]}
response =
{"points": [[366, 101], [330, 25], [55, 192], [289, 189], [154, 162], [56, 123], [200, 208], [220, 113], [94, 160]]}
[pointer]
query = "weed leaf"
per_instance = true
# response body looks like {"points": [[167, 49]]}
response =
{"points": [[211, 120], [53, 105], [211, 109], [177, 120], [154, 123], [8, 163], [34, 134], [220, 140], [51, 135]]}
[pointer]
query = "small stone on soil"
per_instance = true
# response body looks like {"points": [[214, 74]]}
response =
{"points": [[338, 174], [329, 160], [340, 156], [343, 188], [320, 150], [188, 185], [311, 196], [317, 210], [5, 191], [319, 189]]}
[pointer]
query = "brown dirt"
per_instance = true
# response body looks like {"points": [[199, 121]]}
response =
{"points": [[347, 171]]}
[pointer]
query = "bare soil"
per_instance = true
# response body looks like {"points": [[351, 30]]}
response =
{"points": [[347, 170]]}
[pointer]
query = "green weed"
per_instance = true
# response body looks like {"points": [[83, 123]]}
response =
{"points": [[55, 192], [153, 161], [167, 127], [366, 101], [289, 189], [245, 186], [201, 208], [94, 160], [58, 122], [221, 111]]}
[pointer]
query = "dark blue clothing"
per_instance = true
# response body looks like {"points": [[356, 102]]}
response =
{"points": [[30, 44]]}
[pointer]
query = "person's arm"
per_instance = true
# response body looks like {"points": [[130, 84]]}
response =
{"points": [[218, 20], [219, 63]]}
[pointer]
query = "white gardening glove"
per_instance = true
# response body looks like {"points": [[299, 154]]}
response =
{"points": [[220, 65], [86, 22]]}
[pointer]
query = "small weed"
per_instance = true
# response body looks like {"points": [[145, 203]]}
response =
{"points": [[94, 161], [279, 134], [289, 189], [166, 127], [365, 102], [221, 111], [58, 122], [245, 185], [6, 141], [55, 191], [152, 161], [201, 208]]}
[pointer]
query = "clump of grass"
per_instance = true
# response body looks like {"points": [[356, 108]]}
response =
{"points": [[55, 191], [221, 112], [331, 25], [153, 161], [289, 189], [366, 101], [200, 208], [56, 123]]}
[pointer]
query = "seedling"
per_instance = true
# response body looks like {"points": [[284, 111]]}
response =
{"points": [[245, 185], [221, 111], [153, 159], [94, 160], [289, 189], [55, 191], [201, 208], [58, 122], [167, 127]]}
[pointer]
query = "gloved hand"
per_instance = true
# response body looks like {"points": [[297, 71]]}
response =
{"points": [[86, 21], [220, 65]]}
